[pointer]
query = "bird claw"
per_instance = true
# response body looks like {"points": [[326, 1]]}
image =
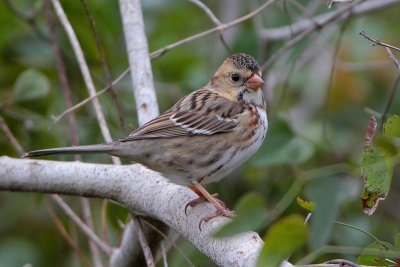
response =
{"points": [[221, 209], [202, 199], [219, 212]]}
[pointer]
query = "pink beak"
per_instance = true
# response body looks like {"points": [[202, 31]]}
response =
{"points": [[255, 82]]}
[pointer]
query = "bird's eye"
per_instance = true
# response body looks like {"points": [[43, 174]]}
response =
{"points": [[235, 77]]}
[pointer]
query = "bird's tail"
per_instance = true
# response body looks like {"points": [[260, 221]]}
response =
{"points": [[89, 149]]}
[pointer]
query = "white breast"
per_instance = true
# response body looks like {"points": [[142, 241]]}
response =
{"points": [[236, 156]]}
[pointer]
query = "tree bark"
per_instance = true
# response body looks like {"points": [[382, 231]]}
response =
{"points": [[139, 189]]}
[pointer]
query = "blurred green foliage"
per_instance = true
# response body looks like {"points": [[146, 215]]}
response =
{"points": [[316, 132]]}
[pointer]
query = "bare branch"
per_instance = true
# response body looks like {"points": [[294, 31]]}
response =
{"points": [[357, 9], [393, 90], [172, 242], [106, 69], [85, 72], [67, 237], [87, 215], [389, 101], [139, 189], [214, 19], [222, 27], [158, 53], [87, 100], [10, 137], [311, 29], [143, 242], [330, 81], [84, 227], [130, 252], [378, 42], [387, 47], [139, 61], [207, 11]]}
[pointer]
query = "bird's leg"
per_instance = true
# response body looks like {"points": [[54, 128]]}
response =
{"points": [[212, 199]]}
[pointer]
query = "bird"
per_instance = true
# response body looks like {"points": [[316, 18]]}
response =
{"points": [[203, 137]]}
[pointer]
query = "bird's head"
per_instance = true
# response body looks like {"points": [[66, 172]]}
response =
{"points": [[239, 79]]}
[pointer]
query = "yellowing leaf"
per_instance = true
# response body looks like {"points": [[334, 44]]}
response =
{"points": [[367, 259], [307, 205], [392, 126], [377, 171]]}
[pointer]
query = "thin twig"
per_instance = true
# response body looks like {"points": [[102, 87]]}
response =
{"points": [[85, 228], [87, 216], [85, 72], [10, 137], [306, 13], [395, 60], [105, 67], [285, 9], [164, 255], [389, 101], [87, 100], [172, 242], [207, 10], [104, 231], [283, 33], [393, 90], [311, 29], [67, 237], [386, 46], [62, 75], [158, 53], [225, 26], [330, 81], [378, 42], [143, 242], [66, 89], [214, 19]]}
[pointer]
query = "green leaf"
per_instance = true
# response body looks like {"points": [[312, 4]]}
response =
{"points": [[295, 152], [30, 85], [367, 259], [283, 237], [392, 126], [251, 213], [307, 205], [328, 193], [377, 171]]}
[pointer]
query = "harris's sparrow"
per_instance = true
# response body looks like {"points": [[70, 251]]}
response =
{"points": [[203, 137]]}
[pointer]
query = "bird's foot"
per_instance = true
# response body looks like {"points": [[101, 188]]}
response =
{"points": [[219, 205], [202, 199]]}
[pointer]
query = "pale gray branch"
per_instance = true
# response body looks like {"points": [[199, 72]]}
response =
{"points": [[167, 48], [284, 33], [139, 60], [85, 72], [148, 255], [147, 109], [84, 227], [139, 189]]}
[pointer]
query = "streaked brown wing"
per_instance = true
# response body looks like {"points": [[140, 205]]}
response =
{"points": [[217, 116]]}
